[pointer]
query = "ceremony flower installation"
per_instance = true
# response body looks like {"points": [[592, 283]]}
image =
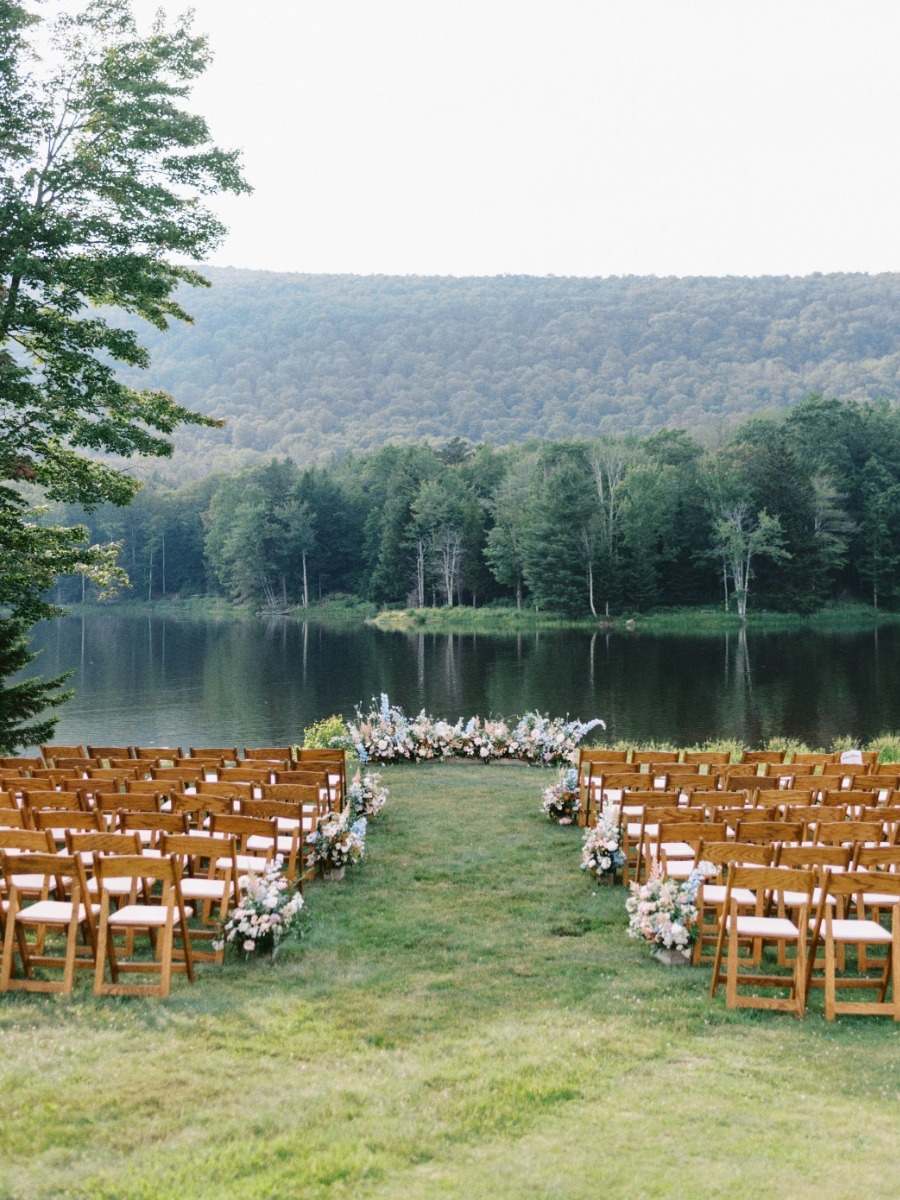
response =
{"points": [[385, 734], [270, 910], [663, 911], [601, 851], [366, 795], [562, 800], [338, 841]]}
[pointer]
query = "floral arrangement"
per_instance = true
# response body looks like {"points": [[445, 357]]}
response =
{"points": [[386, 734], [663, 911], [338, 840], [326, 734], [270, 909], [366, 795], [601, 851], [562, 799]]}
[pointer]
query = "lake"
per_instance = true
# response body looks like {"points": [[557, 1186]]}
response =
{"points": [[173, 680]]}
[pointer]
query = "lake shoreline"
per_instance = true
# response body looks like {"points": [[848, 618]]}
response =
{"points": [[499, 620]]}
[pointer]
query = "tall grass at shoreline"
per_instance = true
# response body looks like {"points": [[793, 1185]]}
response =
{"points": [[466, 1018]]}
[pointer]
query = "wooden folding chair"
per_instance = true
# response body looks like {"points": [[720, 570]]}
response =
{"points": [[256, 839], [677, 844], [861, 932], [739, 926], [68, 910], [335, 763], [211, 888], [161, 918], [722, 856]]}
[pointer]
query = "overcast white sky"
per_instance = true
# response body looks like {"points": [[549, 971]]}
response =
{"points": [[557, 137]]}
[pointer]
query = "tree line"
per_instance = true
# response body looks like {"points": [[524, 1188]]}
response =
{"points": [[306, 366], [790, 513]]}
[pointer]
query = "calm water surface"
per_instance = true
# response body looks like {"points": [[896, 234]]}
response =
{"points": [[200, 681]]}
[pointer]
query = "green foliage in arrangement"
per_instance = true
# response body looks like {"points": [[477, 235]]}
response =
{"points": [[459, 1011], [329, 733]]}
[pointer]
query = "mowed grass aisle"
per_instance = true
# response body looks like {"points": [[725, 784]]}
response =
{"points": [[466, 1018]]}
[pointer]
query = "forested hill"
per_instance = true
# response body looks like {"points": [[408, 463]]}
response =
{"points": [[307, 365]]}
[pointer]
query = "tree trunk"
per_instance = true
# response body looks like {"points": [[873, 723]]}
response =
{"points": [[305, 585]]}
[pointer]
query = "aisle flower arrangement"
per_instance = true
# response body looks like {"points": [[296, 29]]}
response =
{"points": [[601, 851], [562, 799], [385, 734], [338, 841], [270, 910], [663, 911], [366, 795]]}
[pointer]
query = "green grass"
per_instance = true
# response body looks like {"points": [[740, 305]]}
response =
{"points": [[466, 1018]]}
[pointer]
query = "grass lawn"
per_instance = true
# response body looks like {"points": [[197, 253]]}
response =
{"points": [[465, 1018]]}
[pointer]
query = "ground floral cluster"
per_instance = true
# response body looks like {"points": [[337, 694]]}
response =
{"points": [[601, 851], [270, 910], [366, 795], [663, 911], [562, 799], [338, 841], [385, 734]]}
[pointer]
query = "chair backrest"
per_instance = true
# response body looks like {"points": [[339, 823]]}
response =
{"points": [[155, 822], [161, 754], [51, 753], [762, 880], [598, 754], [268, 753], [196, 855], [763, 756], [110, 752], [839, 833], [88, 844], [259, 773], [183, 776], [193, 804], [62, 819], [242, 828], [300, 793], [280, 809], [837, 857], [849, 883], [63, 872], [132, 801], [33, 799], [748, 830], [725, 853], [818, 758], [654, 756], [691, 832], [875, 858], [717, 758], [742, 783], [230, 789], [229, 753], [14, 818], [11, 763], [37, 841]]}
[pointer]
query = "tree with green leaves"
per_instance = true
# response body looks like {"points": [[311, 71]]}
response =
{"points": [[739, 539], [102, 173]]}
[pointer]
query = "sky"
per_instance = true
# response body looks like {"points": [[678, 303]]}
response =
{"points": [[556, 137]]}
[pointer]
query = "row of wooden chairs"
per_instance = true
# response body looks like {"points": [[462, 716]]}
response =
{"points": [[719, 758], [805, 899]]}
